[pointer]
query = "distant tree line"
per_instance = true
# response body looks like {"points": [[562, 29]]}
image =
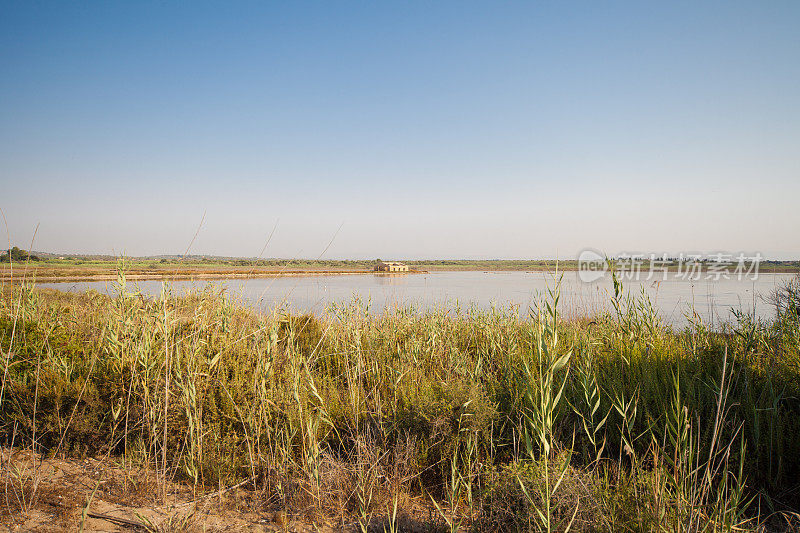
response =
{"points": [[15, 255]]}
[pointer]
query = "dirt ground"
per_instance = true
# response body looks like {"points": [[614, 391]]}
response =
{"points": [[51, 495], [50, 274]]}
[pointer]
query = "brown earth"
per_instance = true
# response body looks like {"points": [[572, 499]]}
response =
{"points": [[51, 495], [48, 274]]}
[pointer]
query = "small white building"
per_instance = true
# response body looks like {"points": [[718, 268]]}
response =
{"points": [[391, 266]]}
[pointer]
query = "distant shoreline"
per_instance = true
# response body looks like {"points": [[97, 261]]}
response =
{"points": [[189, 275], [44, 274], [83, 270]]}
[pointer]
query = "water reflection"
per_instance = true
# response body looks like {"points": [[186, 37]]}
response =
{"points": [[674, 298]]}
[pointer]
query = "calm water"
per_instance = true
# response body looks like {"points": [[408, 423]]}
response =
{"points": [[674, 297]]}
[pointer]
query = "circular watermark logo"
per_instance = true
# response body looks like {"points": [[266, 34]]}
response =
{"points": [[592, 265]]}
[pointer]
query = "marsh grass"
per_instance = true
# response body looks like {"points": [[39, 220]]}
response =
{"points": [[492, 421]]}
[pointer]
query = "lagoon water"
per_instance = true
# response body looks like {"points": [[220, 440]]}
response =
{"points": [[674, 297]]}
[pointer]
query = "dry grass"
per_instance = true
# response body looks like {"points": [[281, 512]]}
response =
{"points": [[405, 421]]}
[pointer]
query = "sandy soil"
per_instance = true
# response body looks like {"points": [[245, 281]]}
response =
{"points": [[53, 495], [50, 495], [45, 275]]}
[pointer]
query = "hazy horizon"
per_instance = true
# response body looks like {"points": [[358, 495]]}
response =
{"points": [[421, 130], [685, 256]]}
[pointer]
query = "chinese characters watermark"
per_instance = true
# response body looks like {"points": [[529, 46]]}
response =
{"points": [[592, 266]]}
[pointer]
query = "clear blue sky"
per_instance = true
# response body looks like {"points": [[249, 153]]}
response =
{"points": [[424, 129]]}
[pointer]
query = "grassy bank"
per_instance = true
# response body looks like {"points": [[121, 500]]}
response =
{"points": [[495, 423]]}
